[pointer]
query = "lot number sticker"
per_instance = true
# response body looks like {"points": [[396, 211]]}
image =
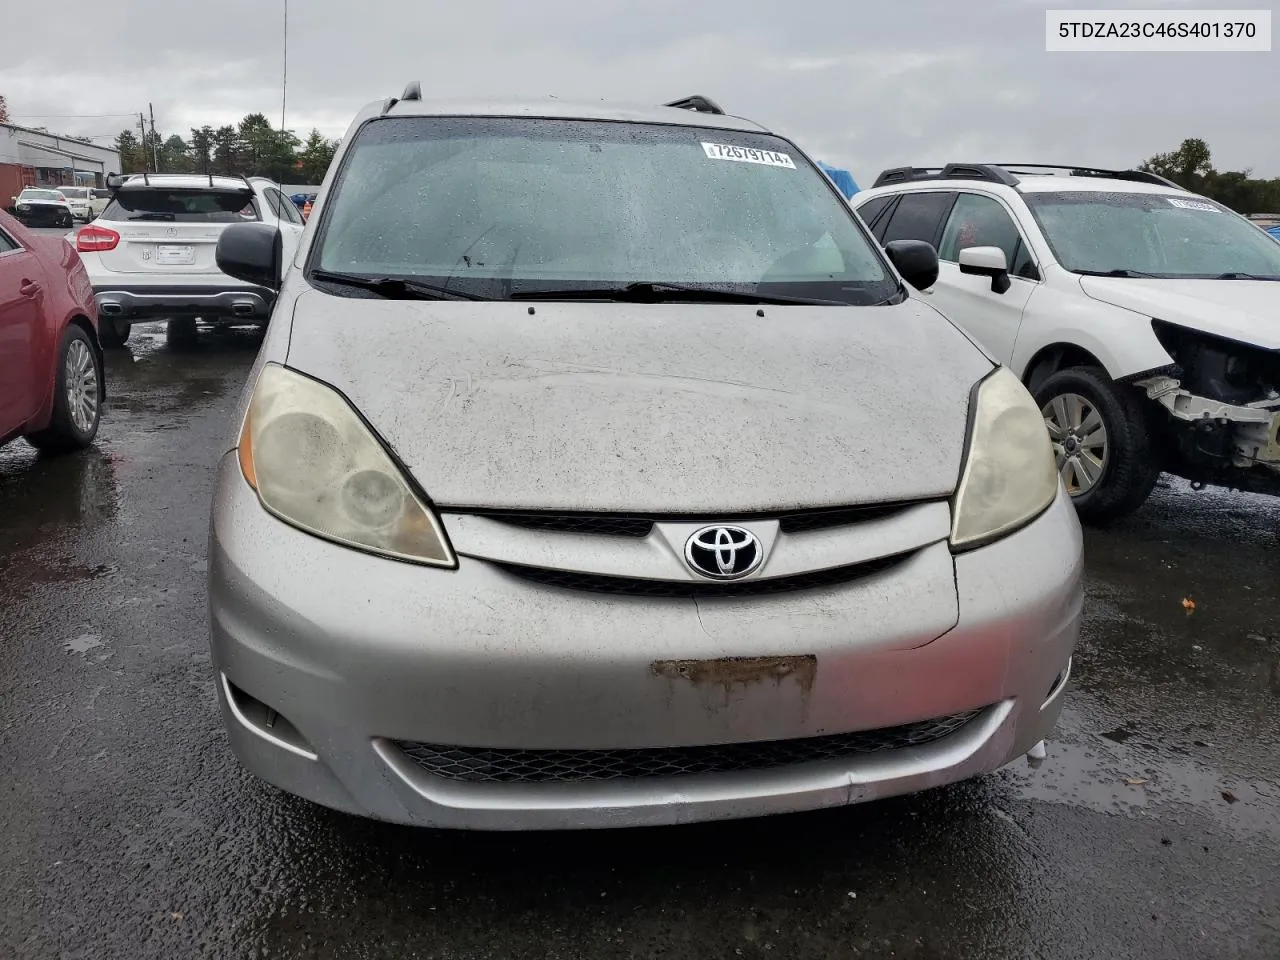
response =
{"points": [[725, 151], [1193, 205]]}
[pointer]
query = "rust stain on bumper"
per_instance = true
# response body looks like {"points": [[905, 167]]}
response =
{"points": [[729, 672]]}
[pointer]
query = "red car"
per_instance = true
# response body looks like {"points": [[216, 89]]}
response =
{"points": [[51, 382]]}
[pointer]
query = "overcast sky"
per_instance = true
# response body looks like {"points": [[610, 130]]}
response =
{"points": [[858, 85]]}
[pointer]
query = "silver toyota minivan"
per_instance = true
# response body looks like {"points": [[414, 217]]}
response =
{"points": [[599, 469]]}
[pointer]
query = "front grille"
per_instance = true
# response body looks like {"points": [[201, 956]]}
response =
{"points": [[624, 525], [840, 517], [635, 587], [579, 523], [481, 765]]}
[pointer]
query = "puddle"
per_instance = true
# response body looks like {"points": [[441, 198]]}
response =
{"points": [[83, 643]]}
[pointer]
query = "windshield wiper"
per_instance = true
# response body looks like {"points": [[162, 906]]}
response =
{"points": [[648, 292], [1121, 272], [1243, 276], [393, 287]]}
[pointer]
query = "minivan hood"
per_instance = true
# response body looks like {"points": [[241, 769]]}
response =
{"points": [[1244, 310], [668, 408]]}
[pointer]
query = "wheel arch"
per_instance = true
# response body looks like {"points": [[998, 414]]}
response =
{"points": [[1048, 360]]}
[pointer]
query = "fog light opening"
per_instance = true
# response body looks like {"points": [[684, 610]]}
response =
{"points": [[1056, 687], [266, 722]]}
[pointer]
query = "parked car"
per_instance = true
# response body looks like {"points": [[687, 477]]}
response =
{"points": [[86, 202], [150, 254], [598, 469], [51, 383], [1142, 316], [43, 207]]}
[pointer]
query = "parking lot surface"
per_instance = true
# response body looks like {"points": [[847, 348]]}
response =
{"points": [[129, 831]]}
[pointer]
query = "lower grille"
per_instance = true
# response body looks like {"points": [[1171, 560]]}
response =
{"points": [[634, 587], [481, 765]]}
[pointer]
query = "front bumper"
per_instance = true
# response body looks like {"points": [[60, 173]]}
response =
{"points": [[35, 216], [141, 303], [359, 654]]}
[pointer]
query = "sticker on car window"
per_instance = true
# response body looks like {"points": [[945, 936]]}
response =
{"points": [[1193, 205], [725, 151]]}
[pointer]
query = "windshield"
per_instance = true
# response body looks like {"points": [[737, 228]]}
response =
{"points": [[501, 206], [75, 193], [39, 195], [182, 206], [1170, 237]]}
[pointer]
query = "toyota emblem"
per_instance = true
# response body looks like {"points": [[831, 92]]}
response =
{"points": [[723, 552]]}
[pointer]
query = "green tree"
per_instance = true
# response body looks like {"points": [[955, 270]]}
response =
{"points": [[202, 149], [1188, 166], [1191, 166], [226, 150], [132, 156], [316, 155], [4, 109], [175, 156]]}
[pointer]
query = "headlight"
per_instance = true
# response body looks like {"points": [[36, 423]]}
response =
{"points": [[1009, 475], [315, 465]]}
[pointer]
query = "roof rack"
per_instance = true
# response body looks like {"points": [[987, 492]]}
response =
{"points": [[697, 103], [952, 171], [1075, 170]]}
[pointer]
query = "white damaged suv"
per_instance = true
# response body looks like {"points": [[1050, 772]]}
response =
{"points": [[1144, 319], [150, 254]]}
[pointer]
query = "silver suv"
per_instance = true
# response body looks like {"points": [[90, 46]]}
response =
{"points": [[150, 255]]}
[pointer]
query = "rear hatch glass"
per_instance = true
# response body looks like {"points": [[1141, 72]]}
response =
{"points": [[182, 206], [172, 230]]}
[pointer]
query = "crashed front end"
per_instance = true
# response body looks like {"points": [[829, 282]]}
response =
{"points": [[1221, 399], [40, 213]]}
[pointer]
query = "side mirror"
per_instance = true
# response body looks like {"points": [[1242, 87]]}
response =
{"points": [[916, 260], [252, 252], [986, 262]]}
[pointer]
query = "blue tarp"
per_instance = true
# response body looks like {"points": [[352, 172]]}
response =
{"points": [[841, 178], [1274, 231]]}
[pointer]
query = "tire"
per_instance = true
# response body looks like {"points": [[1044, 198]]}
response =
{"points": [[1114, 471], [77, 397], [181, 333], [113, 333]]}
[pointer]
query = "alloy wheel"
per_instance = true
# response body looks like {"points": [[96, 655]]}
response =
{"points": [[1080, 443], [81, 379]]}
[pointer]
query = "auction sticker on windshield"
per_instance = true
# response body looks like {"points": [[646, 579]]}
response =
{"points": [[770, 158], [1193, 205]]}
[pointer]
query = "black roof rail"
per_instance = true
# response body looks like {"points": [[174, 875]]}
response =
{"points": [[952, 171], [1076, 170], [697, 103], [412, 91]]}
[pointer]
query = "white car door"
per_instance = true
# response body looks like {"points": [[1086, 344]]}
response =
{"points": [[991, 318], [290, 223]]}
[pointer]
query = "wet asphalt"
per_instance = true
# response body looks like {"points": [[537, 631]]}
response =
{"points": [[129, 831]]}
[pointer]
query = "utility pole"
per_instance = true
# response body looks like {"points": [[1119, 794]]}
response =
{"points": [[142, 127], [155, 144], [284, 76]]}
